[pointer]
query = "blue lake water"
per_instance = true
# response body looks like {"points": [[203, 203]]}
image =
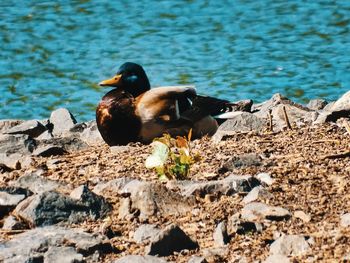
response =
{"points": [[54, 52]]}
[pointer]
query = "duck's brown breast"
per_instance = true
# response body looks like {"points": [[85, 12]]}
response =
{"points": [[116, 118]]}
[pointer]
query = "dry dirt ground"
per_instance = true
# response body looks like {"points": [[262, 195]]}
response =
{"points": [[311, 170]]}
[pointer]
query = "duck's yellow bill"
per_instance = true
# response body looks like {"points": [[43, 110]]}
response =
{"points": [[112, 81]]}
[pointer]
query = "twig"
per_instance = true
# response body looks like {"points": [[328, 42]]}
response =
{"points": [[324, 141], [270, 120], [286, 118], [12, 231], [337, 155]]}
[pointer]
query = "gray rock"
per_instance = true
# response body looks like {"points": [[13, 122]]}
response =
{"points": [[256, 193], [289, 245], [228, 186], [46, 135], [68, 144], [277, 259], [316, 104], [243, 105], [262, 109], [91, 135], [78, 127], [63, 255], [256, 211], [243, 122], [14, 161], [241, 161], [8, 124], [35, 257], [342, 104], [62, 121], [16, 144], [9, 201], [10, 162], [33, 128], [35, 243], [301, 215], [169, 240], [329, 106], [53, 163], [239, 122], [14, 190], [145, 232], [297, 114], [49, 150], [265, 178], [113, 186], [196, 259], [220, 235], [139, 259], [124, 211], [96, 204], [336, 110], [345, 220], [147, 199], [11, 223], [38, 184], [216, 254], [51, 207], [236, 225]]}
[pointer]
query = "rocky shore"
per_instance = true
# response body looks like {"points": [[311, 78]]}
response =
{"points": [[270, 186]]}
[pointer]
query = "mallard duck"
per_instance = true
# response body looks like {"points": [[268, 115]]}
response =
{"points": [[132, 111]]}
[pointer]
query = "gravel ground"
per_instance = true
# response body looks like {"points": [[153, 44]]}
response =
{"points": [[311, 170]]}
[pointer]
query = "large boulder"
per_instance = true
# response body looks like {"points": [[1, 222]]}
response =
{"points": [[169, 240], [144, 199], [336, 110], [90, 134], [239, 122], [52, 207], [256, 211], [6, 124], [279, 106], [9, 201], [230, 185], [32, 128], [289, 245], [62, 121], [42, 242], [37, 183]]}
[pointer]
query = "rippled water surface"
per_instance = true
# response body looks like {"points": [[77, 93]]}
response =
{"points": [[54, 52]]}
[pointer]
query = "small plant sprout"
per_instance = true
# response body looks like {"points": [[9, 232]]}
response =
{"points": [[171, 157]]}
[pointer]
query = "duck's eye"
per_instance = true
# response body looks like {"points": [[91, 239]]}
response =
{"points": [[132, 78]]}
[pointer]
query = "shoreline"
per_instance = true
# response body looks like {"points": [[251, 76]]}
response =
{"points": [[255, 187]]}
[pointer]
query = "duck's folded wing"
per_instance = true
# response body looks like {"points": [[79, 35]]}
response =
{"points": [[164, 103], [203, 106]]}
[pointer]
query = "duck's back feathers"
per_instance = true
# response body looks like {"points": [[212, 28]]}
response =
{"points": [[116, 118], [160, 113], [176, 110]]}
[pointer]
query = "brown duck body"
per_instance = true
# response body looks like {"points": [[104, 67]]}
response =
{"points": [[116, 118], [132, 111]]}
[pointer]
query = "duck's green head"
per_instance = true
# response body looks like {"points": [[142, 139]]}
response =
{"points": [[130, 77]]}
